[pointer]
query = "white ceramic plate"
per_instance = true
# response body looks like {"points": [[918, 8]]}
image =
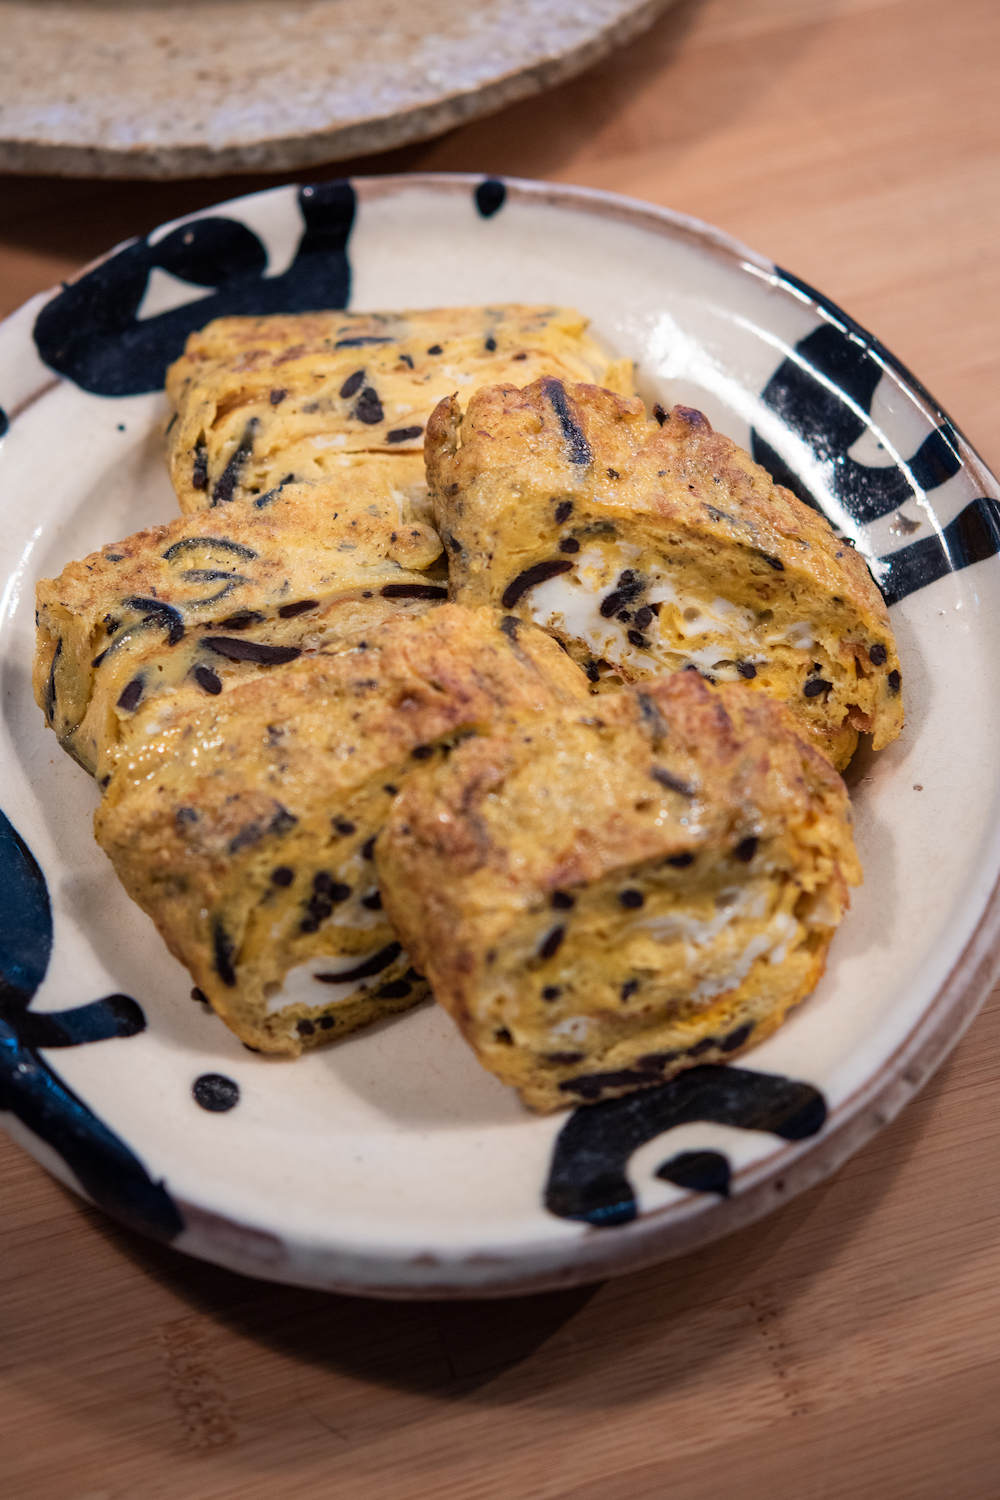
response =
{"points": [[392, 1164]]}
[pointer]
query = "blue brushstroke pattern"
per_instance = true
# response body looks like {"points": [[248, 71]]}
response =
{"points": [[102, 1163]]}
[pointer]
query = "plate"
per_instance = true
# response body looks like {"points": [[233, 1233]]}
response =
{"points": [[189, 88], [392, 1164]]}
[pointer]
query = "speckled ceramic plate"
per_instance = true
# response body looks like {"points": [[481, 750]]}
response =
{"points": [[392, 1164], [184, 88]]}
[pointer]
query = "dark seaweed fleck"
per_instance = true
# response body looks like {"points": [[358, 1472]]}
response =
{"points": [[877, 655], [563, 511], [576, 442], [644, 616], [199, 468], [105, 782], [352, 384], [746, 669], [50, 686], [300, 607], [221, 543], [368, 408], [628, 588], [816, 685], [396, 989], [199, 996], [403, 434], [344, 827], [593, 671], [273, 494], [592, 1085], [368, 847], [391, 790], [327, 1022], [155, 612], [435, 349], [894, 680], [539, 573], [422, 752], [659, 414], [700, 1048], [569, 544], [206, 678], [282, 821], [243, 620], [632, 898], [130, 694], [552, 943], [250, 833], [186, 815], [453, 542], [229, 477], [282, 875], [413, 591], [671, 782], [372, 902], [407, 360], [736, 1038], [491, 343], [503, 1036], [746, 849], [373, 965], [773, 562], [224, 949], [277, 396], [360, 341], [680, 861], [613, 474], [629, 988], [551, 992], [255, 651], [509, 625], [563, 901], [564, 1059], [305, 1027], [637, 638], [656, 1060]]}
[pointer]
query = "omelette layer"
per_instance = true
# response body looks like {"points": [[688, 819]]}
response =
{"points": [[196, 607], [654, 546], [245, 825], [619, 893], [259, 400]]}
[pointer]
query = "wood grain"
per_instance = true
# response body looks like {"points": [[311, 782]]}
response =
{"points": [[847, 1347]]}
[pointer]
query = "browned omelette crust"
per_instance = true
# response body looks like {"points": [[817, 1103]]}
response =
{"points": [[653, 546], [611, 895], [258, 400], [244, 825], [195, 607]]}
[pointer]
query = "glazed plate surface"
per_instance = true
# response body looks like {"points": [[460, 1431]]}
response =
{"points": [[392, 1164]]}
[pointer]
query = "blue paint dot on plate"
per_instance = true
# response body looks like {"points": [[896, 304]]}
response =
{"points": [[121, 426], [490, 195], [4, 421], [698, 1171], [215, 1092]]}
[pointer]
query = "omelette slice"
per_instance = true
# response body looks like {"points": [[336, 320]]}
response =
{"points": [[259, 400], [244, 824], [195, 607], [622, 892], [652, 546]]}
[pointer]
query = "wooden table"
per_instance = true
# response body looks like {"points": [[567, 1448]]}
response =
{"points": [[849, 1346]]}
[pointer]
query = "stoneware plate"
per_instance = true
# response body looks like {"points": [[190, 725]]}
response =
{"points": [[392, 1164], [186, 88]]}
